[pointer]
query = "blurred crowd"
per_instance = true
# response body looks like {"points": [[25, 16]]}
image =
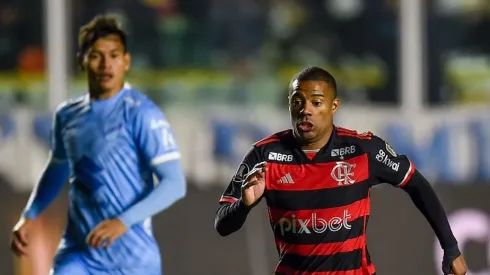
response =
{"points": [[259, 44]]}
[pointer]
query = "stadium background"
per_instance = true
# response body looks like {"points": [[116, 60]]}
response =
{"points": [[415, 72]]}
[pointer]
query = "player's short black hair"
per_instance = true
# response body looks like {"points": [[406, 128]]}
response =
{"points": [[100, 26], [314, 73]]}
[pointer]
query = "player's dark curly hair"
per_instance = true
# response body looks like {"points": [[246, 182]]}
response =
{"points": [[315, 74], [100, 26]]}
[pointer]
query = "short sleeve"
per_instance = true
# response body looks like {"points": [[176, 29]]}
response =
{"points": [[234, 190], [58, 151], [388, 166], [154, 136]]}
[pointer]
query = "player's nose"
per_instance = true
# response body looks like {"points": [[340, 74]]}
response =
{"points": [[307, 109], [104, 64]]}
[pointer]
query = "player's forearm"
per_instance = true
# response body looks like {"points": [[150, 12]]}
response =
{"points": [[426, 200], [230, 217], [47, 189], [170, 189]]}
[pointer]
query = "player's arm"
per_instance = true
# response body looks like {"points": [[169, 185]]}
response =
{"points": [[53, 177], [155, 141], [232, 212], [398, 170]]}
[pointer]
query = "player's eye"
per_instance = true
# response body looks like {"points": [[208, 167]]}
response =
{"points": [[296, 102], [317, 103], [93, 56]]}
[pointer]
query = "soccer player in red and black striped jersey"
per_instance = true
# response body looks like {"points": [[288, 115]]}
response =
{"points": [[316, 179]]}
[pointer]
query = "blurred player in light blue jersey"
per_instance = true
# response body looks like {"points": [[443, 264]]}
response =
{"points": [[109, 143]]}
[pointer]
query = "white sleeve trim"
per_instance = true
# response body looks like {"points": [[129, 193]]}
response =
{"points": [[408, 175], [164, 158]]}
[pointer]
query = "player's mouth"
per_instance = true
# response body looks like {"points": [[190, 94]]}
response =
{"points": [[305, 126], [104, 77]]}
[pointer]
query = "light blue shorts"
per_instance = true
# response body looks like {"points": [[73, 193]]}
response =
{"points": [[74, 264]]}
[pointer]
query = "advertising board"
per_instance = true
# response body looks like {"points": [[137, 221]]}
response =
{"points": [[450, 145]]}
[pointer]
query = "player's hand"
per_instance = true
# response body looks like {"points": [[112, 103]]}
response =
{"points": [[106, 232], [19, 241], [254, 184], [459, 266]]}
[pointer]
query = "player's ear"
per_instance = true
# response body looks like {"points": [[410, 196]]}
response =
{"points": [[80, 62], [127, 61], [335, 105]]}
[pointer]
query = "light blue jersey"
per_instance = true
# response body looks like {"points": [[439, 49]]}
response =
{"points": [[113, 148]]}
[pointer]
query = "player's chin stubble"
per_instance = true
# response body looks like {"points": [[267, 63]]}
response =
{"points": [[304, 138]]}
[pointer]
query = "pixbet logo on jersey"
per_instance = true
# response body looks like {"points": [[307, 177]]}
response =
{"points": [[314, 224]]}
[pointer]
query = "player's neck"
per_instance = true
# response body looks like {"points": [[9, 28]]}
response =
{"points": [[99, 94], [317, 145]]}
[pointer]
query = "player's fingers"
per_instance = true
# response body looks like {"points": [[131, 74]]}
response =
{"points": [[104, 236], [111, 237], [18, 248], [100, 238], [249, 178], [107, 243], [110, 240], [254, 173], [261, 175], [260, 165], [21, 236], [96, 241], [14, 248], [91, 238], [257, 175], [251, 183], [88, 240], [260, 168]]}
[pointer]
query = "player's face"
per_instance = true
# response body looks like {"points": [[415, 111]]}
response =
{"points": [[312, 105], [106, 64]]}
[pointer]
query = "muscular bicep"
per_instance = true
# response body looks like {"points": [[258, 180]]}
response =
{"points": [[387, 165], [234, 190]]}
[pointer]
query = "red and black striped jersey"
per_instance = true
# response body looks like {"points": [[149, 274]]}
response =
{"points": [[319, 203]]}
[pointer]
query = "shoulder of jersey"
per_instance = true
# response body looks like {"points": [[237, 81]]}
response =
{"points": [[72, 103], [352, 136], [135, 100], [274, 139], [367, 141]]}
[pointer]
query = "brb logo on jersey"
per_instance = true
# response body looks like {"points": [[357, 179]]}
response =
{"points": [[342, 173], [280, 157], [343, 151], [385, 159], [314, 224]]}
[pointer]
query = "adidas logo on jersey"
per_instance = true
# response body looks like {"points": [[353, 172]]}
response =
{"points": [[280, 157], [286, 179]]}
